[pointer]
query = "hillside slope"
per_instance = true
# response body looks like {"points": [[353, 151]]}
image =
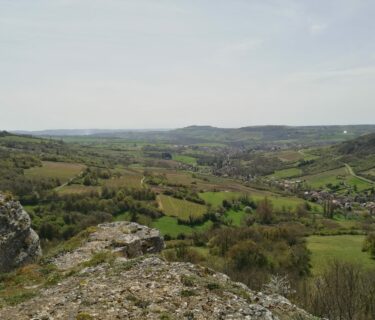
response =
{"points": [[245, 136], [364, 145], [108, 277]]}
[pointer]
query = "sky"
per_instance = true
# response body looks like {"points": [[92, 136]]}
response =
{"points": [[170, 63]]}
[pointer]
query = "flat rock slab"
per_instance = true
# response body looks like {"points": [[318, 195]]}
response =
{"points": [[150, 288], [128, 239]]}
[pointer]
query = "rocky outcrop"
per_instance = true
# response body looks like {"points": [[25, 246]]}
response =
{"points": [[114, 274], [151, 288], [19, 244], [127, 239]]}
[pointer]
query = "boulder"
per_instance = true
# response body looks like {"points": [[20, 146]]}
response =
{"points": [[127, 239], [19, 244]]}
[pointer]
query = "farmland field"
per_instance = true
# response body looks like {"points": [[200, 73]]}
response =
{"points": [[63, 171], [335, 176], [370, 172], [185, 159], [290, 156], [170, 226], [286, 173], [279, 203], [343, 248], [177, 177], [21, 139], [182, 209], [306, 155], [236, 217], [128, 181], [216, 198]]}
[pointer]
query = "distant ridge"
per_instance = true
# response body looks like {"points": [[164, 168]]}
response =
{"points": [[363, 145], [251, 136], [80, 132]]}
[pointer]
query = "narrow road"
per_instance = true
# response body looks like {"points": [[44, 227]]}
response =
{"points": [[351, 172], [69, 181]]}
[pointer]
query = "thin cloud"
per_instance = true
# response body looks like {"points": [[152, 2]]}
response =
{"points": [[231, 52], [317, 28], [349, 73]]}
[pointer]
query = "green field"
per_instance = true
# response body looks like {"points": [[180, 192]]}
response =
{"points": [[306, 155], [21, 139], [178, 177], [286, 173], [236, 217], [343, 247], [185, 159], [182, 209], [370, 172], [289, 156], [336, 176], [216, 198], [63, 171], [169, 225], [128, 181], [279, 203]]}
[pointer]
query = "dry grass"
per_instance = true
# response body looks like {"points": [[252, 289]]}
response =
{"points": [[76, 188], [63, 171]]}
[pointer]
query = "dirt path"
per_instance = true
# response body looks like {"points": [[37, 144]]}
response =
{"points": [[351, 172], [69, 181], [159, 203]]}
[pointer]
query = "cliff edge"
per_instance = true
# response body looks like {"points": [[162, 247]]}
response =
{"points": [[114, 272], [19, 244]]}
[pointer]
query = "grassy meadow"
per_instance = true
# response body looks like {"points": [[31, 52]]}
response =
{"points": [[370, 172], [184, 159], [169, 225], [290, 156], [336, 176], [77, 189], [128, 181], [182, 209], [236, 217], [286, 173], [63, 171], [279, 202], [341, 247]]}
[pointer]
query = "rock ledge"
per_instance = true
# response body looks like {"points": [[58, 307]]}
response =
{"points": [[128, 239], [134, 283], [19, 244]]}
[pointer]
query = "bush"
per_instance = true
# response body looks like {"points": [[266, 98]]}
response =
{"points": [[344, 291], [369, 244], [246, 254]]}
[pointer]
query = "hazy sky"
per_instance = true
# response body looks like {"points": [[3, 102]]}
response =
{"points": [[171, 63]]}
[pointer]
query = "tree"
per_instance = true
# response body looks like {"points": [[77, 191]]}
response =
{"points": [[246, 254], [369, 244], [265, 211], [328, 209], [343, 291]]}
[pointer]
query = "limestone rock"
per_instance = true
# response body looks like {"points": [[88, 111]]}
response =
{"points": [[19, 244], [151, 288], [132, 285], [129, 239]]}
